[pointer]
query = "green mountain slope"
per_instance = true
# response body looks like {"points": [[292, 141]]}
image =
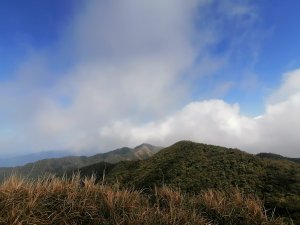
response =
{"points": [[61, 165], [196, 167]]}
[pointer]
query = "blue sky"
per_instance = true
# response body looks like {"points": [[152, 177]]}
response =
{"points": [[96, 75]]}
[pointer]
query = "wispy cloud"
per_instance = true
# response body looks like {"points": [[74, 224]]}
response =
{"points": [[130, 81]]}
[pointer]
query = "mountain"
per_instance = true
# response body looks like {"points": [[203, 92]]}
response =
{"points": [[61, 165], [196, 167], [21, 160], [277, 157]]}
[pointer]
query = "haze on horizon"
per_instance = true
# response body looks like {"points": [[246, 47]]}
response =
{"points": [[82, 75]]}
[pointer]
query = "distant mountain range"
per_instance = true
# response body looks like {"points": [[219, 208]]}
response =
{"points": [[61, 165], [20, 160], [194, 167], [277, 157]]}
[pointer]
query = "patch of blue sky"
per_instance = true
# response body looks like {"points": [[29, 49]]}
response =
{"points": [[28, 26], [276, 52], [281, 48], [65, 101]]}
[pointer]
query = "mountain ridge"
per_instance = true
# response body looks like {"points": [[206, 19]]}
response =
{"points": [[64, 164]]}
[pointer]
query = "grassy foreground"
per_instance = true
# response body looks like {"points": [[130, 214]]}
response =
{"points": [[53, 200]]}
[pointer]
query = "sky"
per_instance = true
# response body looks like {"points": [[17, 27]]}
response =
{"points": [[97, 75]]}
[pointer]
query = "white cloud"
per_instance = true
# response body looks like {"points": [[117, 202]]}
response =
{"points": [[129, 57], [279, 128], [212, 121], [131, 85], [290, 86], [217, 122]]}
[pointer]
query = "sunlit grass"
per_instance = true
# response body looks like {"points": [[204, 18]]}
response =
{"points": [[52, 200]]}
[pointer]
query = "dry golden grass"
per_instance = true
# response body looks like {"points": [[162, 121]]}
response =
{"points": [[52, 200]]}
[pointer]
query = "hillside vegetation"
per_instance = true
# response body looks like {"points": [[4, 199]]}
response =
{"points": [[60, 165], [196, 167], [55, 201]]}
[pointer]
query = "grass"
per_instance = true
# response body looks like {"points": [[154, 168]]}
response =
{"points": [[52, 200]]}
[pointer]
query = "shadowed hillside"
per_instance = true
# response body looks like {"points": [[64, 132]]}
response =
{"points": [[196, 167]]}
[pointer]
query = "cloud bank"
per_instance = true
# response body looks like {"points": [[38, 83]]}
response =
{"points": [[133, 68], [215, 121]]}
